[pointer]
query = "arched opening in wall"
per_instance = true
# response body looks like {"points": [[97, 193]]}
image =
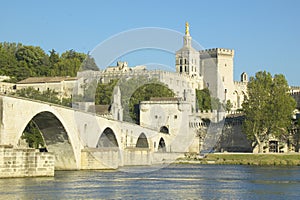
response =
{"points": [[244, 77], [107, 139], [180, 68], [273, 146], [235, 99], [45, 131], [242, 98], [164, 129], [162, 145], [238, 101], [142, 141]]}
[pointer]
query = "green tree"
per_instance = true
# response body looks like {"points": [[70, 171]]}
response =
{"points": [[33, 136], [21, 61], [53, 57], [228, 106], [295, 134], [8, 61], [50, 96], [35, 58], [203, 99], [54, 60], [268, 108], [206, 102], [104, 92], [69, 64]]}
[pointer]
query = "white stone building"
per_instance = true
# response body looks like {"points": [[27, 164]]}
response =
{"points": [[215, 69], [63, 85]]}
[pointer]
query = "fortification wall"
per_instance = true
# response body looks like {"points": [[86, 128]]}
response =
{"points": [[182, 85]]}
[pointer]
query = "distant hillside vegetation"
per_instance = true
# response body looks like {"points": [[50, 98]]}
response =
{"points": [[21, 61]]}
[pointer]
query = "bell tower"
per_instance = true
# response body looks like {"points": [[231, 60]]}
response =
{"points": [[187, 58]]}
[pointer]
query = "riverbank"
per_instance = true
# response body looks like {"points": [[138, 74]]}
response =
{"points": [[276, 159]]}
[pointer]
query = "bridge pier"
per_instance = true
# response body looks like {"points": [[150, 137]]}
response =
{"points": [[137, 156], [100, 158], [26, 162]]}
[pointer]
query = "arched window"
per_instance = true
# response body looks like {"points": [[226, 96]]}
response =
{"points": [[162, 145], [164, 129]]}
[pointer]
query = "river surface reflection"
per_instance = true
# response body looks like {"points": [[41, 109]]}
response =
{"points": [[172, 182]]}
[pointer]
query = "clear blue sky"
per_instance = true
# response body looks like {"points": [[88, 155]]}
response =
{"points": [[263, 33]]}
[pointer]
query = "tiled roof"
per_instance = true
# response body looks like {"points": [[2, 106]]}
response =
{"points": [[164, 99], [46, 79], [100, 109]]}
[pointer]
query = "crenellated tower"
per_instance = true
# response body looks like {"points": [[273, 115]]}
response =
{"points": [[217, 71]]}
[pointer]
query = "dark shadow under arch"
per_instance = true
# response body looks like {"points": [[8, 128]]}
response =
{"points": [[162, 145], [142, 141], [107, 139], [164, 129], [56, 139]]}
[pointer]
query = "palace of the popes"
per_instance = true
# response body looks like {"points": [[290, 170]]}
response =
{"points": [[89, 136]]}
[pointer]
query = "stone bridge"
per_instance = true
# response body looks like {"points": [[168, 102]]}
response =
{"points": [[82, 140]]}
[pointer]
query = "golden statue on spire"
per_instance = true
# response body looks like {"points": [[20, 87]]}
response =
{"points": [[187, 29]]}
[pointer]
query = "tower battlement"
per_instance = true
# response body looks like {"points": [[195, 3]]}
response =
{"points": [[214, 52]]}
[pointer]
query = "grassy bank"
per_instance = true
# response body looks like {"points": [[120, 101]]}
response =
{"points": [[245, 159]]}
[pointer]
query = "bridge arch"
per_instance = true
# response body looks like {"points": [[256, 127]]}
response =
{"points": [[162, 145], [56, 138], [107, 139], [142, 141]]}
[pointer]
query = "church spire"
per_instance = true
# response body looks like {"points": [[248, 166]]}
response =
{"points": [[187, 38], [187, 29], [188, 58]]}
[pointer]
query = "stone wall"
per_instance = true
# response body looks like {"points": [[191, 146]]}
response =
{"points": [[136, 156], [100, 158], [25, 163], [233, 139]]}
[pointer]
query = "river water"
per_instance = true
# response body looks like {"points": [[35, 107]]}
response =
{"points": [[171, 182]]}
